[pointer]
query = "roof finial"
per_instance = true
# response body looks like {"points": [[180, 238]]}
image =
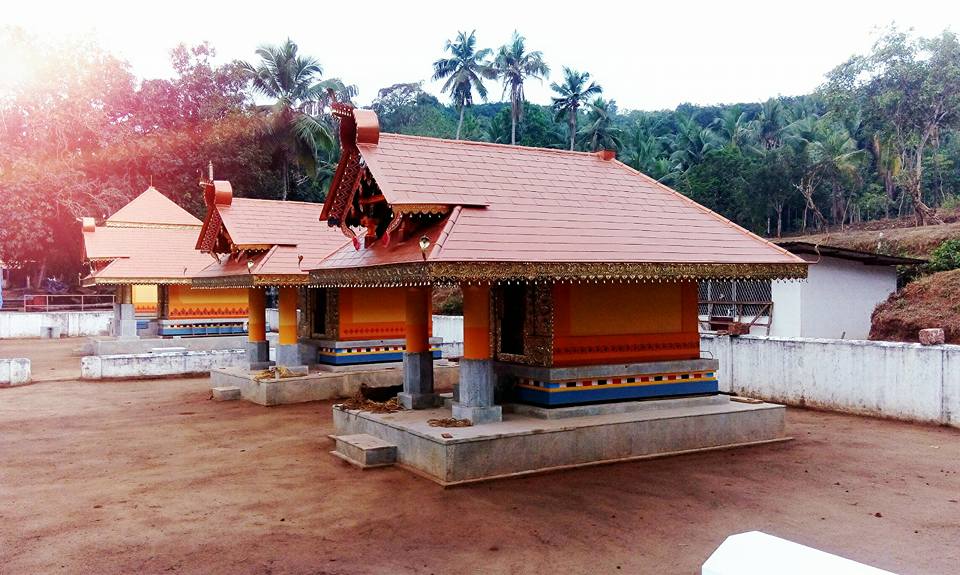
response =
{"points": [[210, 170]]}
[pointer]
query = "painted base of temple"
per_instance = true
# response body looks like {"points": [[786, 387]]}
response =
{"points": [[564, 386], [320, 385], [201, 327], [332, 352], [521, 444]]}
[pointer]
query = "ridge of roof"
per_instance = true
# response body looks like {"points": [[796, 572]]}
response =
{"points": [[485, 144], [281, 202]]}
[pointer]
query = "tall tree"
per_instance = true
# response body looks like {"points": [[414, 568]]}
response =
{"points": [[514, 65], [464, 72], [691, 142], [574, 92], [293, 81], [600, 133], [827, 151], [910, 88]]}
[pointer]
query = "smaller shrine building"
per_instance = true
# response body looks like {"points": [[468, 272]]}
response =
{"points": [[146, 249], [262, 244]]}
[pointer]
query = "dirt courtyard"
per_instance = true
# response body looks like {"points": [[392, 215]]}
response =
{"points": [[153, 477]]}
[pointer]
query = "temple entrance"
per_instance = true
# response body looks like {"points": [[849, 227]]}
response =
{"points": [[319, 307], [513, 320]]}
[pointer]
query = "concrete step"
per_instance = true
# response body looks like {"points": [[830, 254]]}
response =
{"points": [[364, 451], [228, 393]]}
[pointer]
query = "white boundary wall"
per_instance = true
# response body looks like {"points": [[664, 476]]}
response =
{"points": [[898, 380], [14, 371], [146, 365], [18, 324]]}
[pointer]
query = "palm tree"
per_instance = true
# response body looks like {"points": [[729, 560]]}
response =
{"points": [[464, 72], [600, 133], [292, 81], [691, 142], [827, 151], [514, 65], [731, 125], [575, 90]]}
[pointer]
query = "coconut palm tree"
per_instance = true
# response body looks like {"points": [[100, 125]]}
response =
{"points": [[575, 90], [732, 126], [599, 133], [464, 72], [691, 142], [514, 65], [292, 81]]}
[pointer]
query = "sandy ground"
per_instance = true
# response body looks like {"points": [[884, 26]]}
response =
{"points": [[153, 477], [50, 359]]}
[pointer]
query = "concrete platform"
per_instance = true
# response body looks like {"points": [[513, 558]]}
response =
{"points": [[320, 385], [521, 445]]}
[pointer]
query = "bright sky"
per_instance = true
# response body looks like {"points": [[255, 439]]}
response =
{"points": [[646, 55]]}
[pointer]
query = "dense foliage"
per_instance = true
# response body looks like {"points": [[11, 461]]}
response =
{"points": [[82, 136], [946, 257]]}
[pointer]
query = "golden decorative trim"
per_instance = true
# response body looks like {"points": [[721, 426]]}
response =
{"points": [[249, 281], [419, 208], [135, 281], [424, 273]]}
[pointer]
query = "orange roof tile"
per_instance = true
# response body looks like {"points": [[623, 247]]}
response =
{"points": [[545, 206], [152, 209], [285, 230], [160, 255]]}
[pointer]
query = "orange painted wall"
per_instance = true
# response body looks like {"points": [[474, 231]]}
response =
{"points": [[614, 323], [372, 313], [145, 300], [206, 303]]}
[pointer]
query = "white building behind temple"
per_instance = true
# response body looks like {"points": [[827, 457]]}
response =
{"points": [[836, 300]]}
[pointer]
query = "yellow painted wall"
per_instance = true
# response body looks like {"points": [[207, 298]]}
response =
{"points": [[607, 323], [372, 313], [186, 302], [145, 300]]}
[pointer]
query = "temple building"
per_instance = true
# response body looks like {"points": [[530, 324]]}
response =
{"points": [[146, 249], [268, 244], [579, 274]]}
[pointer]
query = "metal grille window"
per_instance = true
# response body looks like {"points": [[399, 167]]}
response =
{"points": [[743, 301]]}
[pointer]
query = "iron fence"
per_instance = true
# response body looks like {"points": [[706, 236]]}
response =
{"points": [[60, 302]]}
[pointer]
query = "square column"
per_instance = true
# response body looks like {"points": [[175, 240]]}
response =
{"points": [[475, 401], [288, 350], [418, 359], [124, 314], [258, 349]]}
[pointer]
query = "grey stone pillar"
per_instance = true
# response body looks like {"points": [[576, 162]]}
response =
{"points": [[288, 355], [125, 320], [475, 397], [418, 381], [258, 354]]}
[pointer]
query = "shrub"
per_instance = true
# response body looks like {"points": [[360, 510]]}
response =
{"points": [[946, 256]]}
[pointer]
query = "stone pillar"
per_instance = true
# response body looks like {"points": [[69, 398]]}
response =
{"points": [[475, 396], [124, 316], [288, 350], [417, 359], [258, 348]]}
